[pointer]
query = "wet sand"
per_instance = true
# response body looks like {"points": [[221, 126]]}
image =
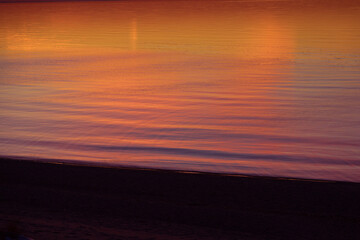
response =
{"points": [[66, 201]]}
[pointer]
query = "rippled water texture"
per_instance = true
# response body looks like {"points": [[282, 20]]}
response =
{"points": [[249, 87]]}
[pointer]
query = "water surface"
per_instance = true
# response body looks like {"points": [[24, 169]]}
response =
{"points": [[249, 87]]}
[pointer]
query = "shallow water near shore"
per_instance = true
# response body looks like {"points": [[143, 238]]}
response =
{"points": [[259, 87]]}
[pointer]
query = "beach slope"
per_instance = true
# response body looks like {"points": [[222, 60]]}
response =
{"points": [[66, 201]]}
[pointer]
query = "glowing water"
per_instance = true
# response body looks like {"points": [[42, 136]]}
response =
{"points": [[251, 87]]}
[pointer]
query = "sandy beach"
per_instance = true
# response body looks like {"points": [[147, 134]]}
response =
{"points": [[256, 101], [63, 201]]}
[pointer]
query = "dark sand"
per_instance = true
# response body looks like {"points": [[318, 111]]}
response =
{"points": [[53, 201]]}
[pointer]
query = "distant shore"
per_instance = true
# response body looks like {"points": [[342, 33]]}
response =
{"points": [[67, 201], [15, 1]]}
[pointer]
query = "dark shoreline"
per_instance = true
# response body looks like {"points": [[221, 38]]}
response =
{"points": [[138, 168], [120, 199]]}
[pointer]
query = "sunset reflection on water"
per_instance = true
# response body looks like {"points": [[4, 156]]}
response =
{"points": [[249, 87]]}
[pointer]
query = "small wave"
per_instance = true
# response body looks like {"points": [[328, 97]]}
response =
{"points": [[203, 153]]}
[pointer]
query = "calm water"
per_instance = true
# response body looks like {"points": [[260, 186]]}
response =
{"points": [[243, 86]]}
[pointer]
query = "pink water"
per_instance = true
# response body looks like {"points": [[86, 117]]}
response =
{"points": [[248, 87]]}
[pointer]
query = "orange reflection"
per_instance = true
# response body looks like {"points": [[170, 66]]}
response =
{"points": [[178, 80], [133, 34]]}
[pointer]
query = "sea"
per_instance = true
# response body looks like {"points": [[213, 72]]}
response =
{"points": [[247, 87]]}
